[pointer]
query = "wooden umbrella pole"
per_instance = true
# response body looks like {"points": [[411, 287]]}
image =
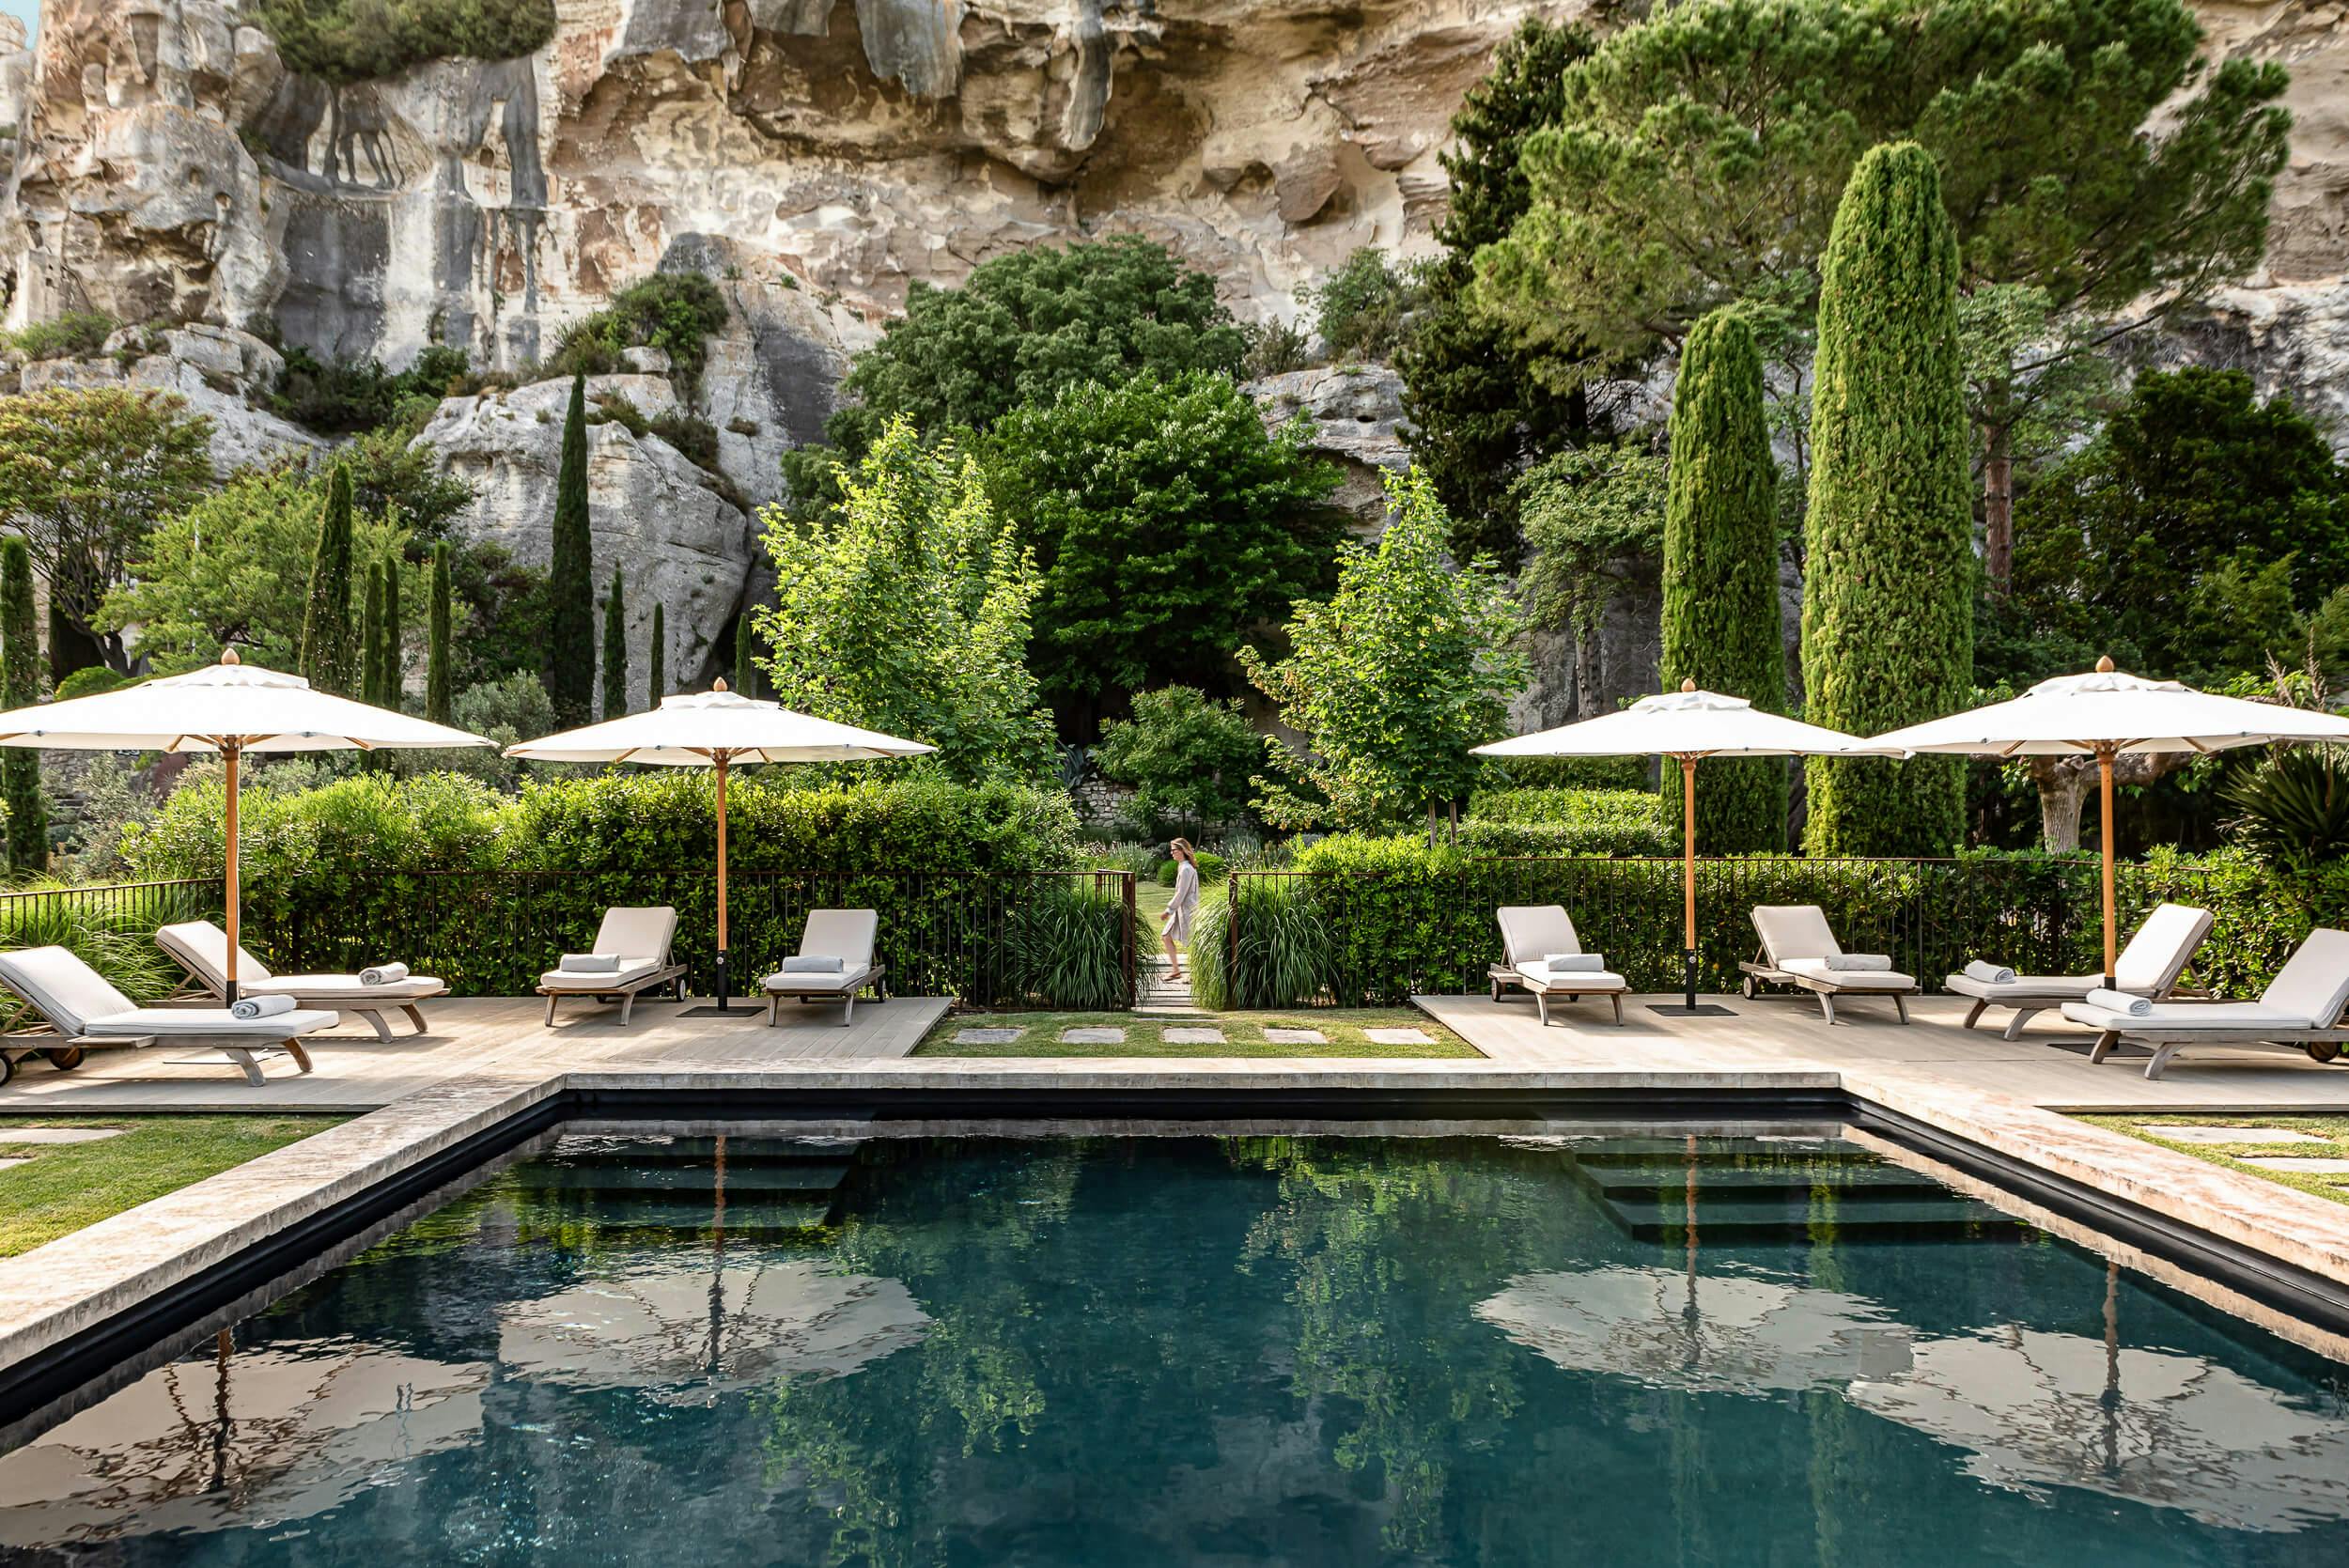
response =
{"points": [[720, 759], [2104, 771], [1688, 878], [228, 751]]}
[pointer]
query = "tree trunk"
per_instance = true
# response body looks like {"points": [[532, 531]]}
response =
{"points": [[1998, 506], [71, 648], [2063, 790]]}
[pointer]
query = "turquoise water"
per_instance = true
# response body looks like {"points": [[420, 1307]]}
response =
{"points": [[1208, 1351]]}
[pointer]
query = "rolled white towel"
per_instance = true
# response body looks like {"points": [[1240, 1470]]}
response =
{"points": [[1990, 975], [1858, 962], [383, 974], [813, 963], [590, 962], [1574, 963], [2121, 1001], [260, 1007]]}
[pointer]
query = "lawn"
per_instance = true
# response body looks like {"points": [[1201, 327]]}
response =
{"points": [[65, 1186], [1343, 1031], [2231, 1155]]}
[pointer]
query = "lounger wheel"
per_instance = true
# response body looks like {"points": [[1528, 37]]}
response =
{"points": [[65, 1057], [8, 1067], [2323, 1050], [1747, 988]]}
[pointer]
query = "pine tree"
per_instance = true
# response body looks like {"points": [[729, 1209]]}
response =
{"points": [[371, 640], [19, 682], [1722, 626], [657, 660], [393, 654], [615, 651], [437, 696], [1888, 627], [330, 650], [569, 667]]}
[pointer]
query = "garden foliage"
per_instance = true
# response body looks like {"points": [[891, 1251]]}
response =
{"points": [[344, 42], [20, 683], [330, 654], [1189, 758]]}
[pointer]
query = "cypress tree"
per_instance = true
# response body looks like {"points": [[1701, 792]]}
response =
{"points": [[395, 656], [329, 647], [745, 673], [1887, 629], [657, 660], [436, 692], [615, 651], [569, 667], [371, 640], [1721, 577], [20, 680]]}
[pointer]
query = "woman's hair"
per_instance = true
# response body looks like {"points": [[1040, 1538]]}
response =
{"points": [[1182, 850]]}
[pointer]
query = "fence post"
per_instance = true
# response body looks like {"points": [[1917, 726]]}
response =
{"points": [[1132, 986]]}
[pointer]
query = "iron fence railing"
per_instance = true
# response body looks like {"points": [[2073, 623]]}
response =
{"points": [[1388, 936], [111, 926]]}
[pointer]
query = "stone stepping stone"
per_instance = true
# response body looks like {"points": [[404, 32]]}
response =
{"points": [[2301, 1165], [1294, 1037], [1398, 1037], [6, 1163], [1094, 1035], [1181, 1035], [56, 1134], [2230, 1135], [986, 1036]]}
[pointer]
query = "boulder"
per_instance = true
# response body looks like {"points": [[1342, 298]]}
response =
{"points": [[1358, 421]]}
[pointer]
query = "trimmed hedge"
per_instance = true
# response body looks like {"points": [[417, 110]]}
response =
{"points": [[484, 890], [1400, 918], [1504, 824]]}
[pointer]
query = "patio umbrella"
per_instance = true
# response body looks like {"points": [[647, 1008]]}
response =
{"points": [[2104, 714], [230, 707], [1690, 725], [717, 729]]}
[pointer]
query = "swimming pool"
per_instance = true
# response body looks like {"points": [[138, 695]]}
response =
{"points": [[1577, 1347]]}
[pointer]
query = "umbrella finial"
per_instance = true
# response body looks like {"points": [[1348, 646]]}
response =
{"points": [[228, 655], [718, 685], [2104, 664], [1687, 683]]}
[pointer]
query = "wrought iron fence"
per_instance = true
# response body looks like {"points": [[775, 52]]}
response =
{"points": [[1388, 936], [111, 926]]}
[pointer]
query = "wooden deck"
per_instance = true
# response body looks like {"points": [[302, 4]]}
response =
{"points": [[505, 1037]]}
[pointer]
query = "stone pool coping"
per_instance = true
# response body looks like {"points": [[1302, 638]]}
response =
{"points": [[91, 1277]]}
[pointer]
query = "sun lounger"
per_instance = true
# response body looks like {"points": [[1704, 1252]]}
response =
{"points": [[632, 950], [2300, 1007], [833, 963], [2147, 967], [201, 948], [85, 1010], [1534, 934], [1798, 949]]}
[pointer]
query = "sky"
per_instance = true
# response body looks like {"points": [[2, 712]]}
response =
{"points": [[28, 9]]}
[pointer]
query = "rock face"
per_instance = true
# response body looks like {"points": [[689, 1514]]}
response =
{"points": [[1356, 412], [677, 538], [216, 371]]}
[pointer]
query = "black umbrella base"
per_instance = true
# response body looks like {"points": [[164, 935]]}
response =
{"points": [[711, 1010], [1702, 1010]]}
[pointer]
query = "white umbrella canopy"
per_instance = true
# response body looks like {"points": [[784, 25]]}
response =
{"points": [[716, 729], [1688, 724], [232, 708], [2107, 713]]}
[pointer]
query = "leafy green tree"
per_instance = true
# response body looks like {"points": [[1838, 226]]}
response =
{"points": [[20, 687], [2199, 535], [215, 574], [1188, 757], [1412, 661], [1021, 329], [436, 649], [615, 650], [907, 608], [1480, 414], [330, 650], [657, 658], [84, 472], [1171, 526], [1360, 309], [371, 638], [568, 668], [1887, 631], [1722, 620], [1699, 155]]}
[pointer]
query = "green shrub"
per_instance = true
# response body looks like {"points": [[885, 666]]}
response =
{"points": [[1511, 822], [1567, 773], [674, 312], [1266, 945], [362, 40], [1361, 310], [76, 335], [346, 397], [1189, 758], [1067, 948], [114, 935], [1211, 869], [89, 682], [2295, 807]]}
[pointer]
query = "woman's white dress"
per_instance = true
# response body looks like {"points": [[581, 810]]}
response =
{"points": [[1179, 913]]}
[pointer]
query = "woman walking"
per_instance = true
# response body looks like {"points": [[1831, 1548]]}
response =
{"points": [[1176, 929]]}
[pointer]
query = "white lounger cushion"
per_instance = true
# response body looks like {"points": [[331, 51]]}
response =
{"points": [[848, 934], [1532, 932], [2309, 992], [1542, 977], [1797, 938], [630, 971], [1848, 979], [2148, 965], [203, 948], [638, 936], [83, 1004], [2026, 987]]}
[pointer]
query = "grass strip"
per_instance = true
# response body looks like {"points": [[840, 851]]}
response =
{"points": [[1243, 1034], [2231, 1156], [64, 1187]]}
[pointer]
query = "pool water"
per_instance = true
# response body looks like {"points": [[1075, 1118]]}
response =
{"points": [[1574, 1349]]}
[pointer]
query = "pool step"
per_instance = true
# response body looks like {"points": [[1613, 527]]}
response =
{"points": [[612, 1177], [704, 1149], [1715, 1151], [1735, 1222], [1865, 1184], [652, 1215]]}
